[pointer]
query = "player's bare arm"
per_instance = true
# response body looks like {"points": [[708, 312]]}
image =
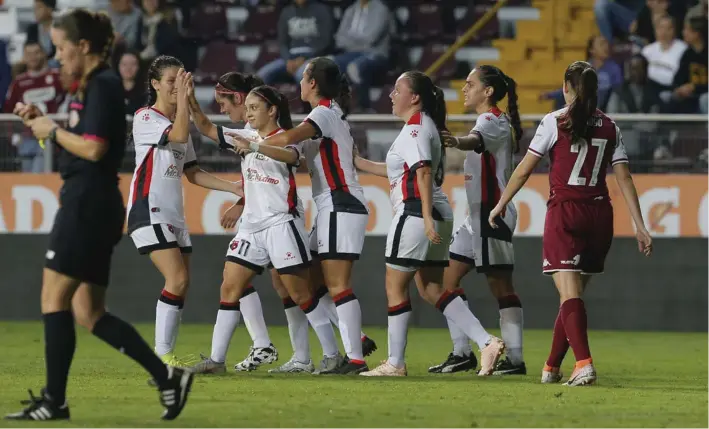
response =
{"points": [[287, 155], [425, 182], [472, 141], [232, 214], [371, 167], [88, 149], [180, 131], [199, 177], [201, 121], [302, 132], [517, 181], [630, 195]]}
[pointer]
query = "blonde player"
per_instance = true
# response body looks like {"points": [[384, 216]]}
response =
{"points": [[156, 217], [488, 165], [417, 242]]}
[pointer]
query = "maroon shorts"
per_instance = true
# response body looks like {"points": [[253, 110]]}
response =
{"points": [[577, 236]]}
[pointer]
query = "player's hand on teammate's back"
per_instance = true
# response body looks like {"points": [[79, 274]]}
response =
{"points": [[644, 242], [241, 143], [431, 232], [448, 139], [42, 126]]}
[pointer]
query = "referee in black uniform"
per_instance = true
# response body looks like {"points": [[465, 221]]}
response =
{"points": [[89, 222]]}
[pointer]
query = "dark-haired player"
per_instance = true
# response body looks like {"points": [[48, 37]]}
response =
{"points": [[89, 222], [582, 142], [488, 164], [156, 216]]}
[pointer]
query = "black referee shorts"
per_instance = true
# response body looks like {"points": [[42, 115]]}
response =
{"points": [[87, 227]]}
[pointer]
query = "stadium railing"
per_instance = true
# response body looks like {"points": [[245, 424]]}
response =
{"points": [[655, 143]]}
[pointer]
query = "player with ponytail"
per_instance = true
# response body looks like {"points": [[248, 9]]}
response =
{"points": [[490, 146], [582, 142], [341, 221], [89, 222]]}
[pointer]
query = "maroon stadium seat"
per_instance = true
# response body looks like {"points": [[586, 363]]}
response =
{"points": [[269, 51], [262, 24], [383, 103], [219, 58], [425, 22], [431, 53], [491, 30], [208, 22]]}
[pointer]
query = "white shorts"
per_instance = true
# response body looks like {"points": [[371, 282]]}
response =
{"points": [[161, 236], [282, 245], [483, 253], [338, 235], [408, 248]]}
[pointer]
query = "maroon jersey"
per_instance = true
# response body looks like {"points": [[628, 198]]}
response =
{"points": [[578, 168], [43, 89]]}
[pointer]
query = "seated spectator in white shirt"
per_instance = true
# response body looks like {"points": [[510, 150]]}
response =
{"points": [[663, 56]]}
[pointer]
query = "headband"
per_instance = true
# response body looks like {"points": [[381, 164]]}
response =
{"points": [[221, 89]]}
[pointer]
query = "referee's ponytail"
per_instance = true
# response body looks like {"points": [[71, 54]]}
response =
{"points": [[92, 27]]}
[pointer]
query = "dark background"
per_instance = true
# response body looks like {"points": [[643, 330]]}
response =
{"points": [[666, 292]]}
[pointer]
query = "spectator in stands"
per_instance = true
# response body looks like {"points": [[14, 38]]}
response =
{"points": [[41, 86], [5, 72], [663, 56], [129, 70], [690, 81], [127, 23], [643, 29], [364, 36], [39, 31], [636, 95], [159, 34], [305, 30], [610, 74], [616, 17], [699, 10]]}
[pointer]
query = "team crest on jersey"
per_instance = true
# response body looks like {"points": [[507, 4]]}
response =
{"points": [[73, 118], [146, 117], [172, 172], [488, 117], [414, 133], [234, 244], [289, 256], [178, 155]]}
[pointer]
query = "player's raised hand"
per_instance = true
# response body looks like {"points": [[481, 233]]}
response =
{"points": [[180, 83], [448, 139], [644, 241]]}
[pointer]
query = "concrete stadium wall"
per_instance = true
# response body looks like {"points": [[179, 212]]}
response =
{"points": [[665, 292]]}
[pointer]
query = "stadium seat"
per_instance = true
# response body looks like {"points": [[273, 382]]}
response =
{"points": [[430, 54], [262, 24], [219, 57], [489, 31], [425, 22], [268, 52], [208, 22]]}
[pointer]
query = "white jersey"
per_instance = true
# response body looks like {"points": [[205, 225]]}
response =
{"points": [[487, 173], [269, 188], [156, 188], [330, 161], [417, 145]]}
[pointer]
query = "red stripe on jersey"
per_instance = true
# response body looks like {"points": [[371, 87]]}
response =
{"points": [[292, 193], [409, 185], [495, 111], [148, 172], [273, 132], [415, 119], [488, 180], [153, 108], [325, 102], [140, 176], [330, 157]]}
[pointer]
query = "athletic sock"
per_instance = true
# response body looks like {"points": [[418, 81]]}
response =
{"points": [[398, 329], [350, 315], [227, 321], [319, 320], [252, 311], [453, 307], [59, 346], [511, 327], [167, 321], [298, 330]]}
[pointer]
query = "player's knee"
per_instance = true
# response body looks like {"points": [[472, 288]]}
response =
{"points": [[500, 284], [87, 317], [178, 283], [301, 297]]}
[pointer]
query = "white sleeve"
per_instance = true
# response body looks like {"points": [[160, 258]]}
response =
{"points": [[416, 149], [545, 137], [226, 142], [322, 119], [619, 154], [489, 130], [190, 156], [150, 129]]}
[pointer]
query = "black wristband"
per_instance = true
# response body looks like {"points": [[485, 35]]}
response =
{"points": [[53, 134]]}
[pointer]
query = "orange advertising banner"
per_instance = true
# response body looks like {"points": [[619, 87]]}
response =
{"points": [[672, 205]]}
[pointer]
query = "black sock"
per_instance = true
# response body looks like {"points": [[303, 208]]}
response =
{"points": [[122, 336], [59, 346]]}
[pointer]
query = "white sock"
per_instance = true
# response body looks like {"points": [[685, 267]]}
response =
{"points": [[298, 331], [227, 320], [253, 317], [319, 320], [461, 342], [398, 329], [350, 315], [459, 313], [167, 322], [511, 323], [329, 305]]}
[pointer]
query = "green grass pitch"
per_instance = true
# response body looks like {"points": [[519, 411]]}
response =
{"points": [[645, 379]]}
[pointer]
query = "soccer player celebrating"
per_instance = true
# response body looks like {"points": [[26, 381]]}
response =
{"points": [[230, 93], [271, 228], [156, 215], [89, 222], [418, 239], [487, 167], [338, 232], [581, 142]]}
